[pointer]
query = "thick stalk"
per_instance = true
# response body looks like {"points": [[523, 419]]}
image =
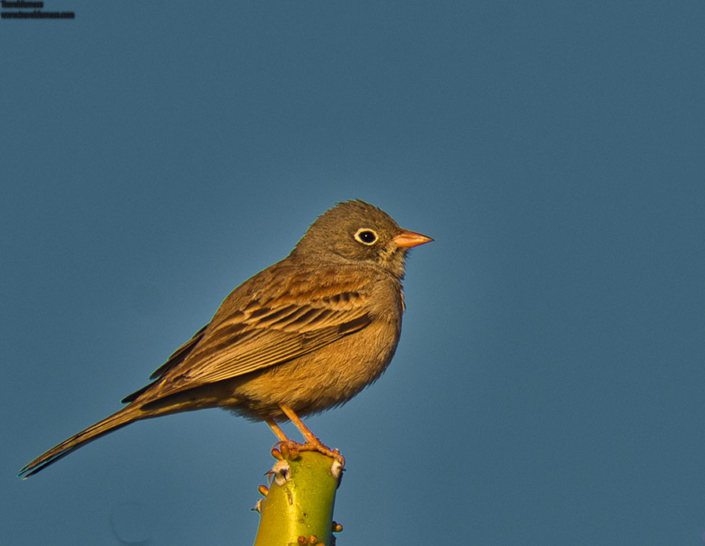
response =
{"points": [[298, 507]]}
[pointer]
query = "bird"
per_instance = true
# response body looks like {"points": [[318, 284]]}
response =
{"points": [[301, 336]]}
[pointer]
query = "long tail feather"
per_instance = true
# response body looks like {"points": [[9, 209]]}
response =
{"points": [[115, 421]]}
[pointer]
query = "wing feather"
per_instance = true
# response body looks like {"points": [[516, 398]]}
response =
{"points": [[249, 334], [226, 355]]}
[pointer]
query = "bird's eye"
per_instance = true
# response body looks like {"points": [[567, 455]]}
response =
{"points": [[366, 236]]}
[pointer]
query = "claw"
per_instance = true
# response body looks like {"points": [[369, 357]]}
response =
{"points": [[293, 449], [287, 449]]}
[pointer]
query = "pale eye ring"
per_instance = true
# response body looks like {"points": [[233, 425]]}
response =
{"points": [[366, 236]]}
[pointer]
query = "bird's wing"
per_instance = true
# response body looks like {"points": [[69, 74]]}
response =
{"points": [[179, 355], [273, 335], [252, 333], [174, 360]]}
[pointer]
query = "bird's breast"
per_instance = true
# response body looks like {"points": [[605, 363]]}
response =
{"points": [[326, 377]]}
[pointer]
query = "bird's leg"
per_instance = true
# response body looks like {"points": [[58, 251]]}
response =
{"points": [[278, 432], [312, 441], [311, 438]]}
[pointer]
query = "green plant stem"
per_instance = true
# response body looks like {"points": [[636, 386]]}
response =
{"points": [[300, 501]]}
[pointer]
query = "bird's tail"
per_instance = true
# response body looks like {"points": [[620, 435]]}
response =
{"points": [[115, 421]]}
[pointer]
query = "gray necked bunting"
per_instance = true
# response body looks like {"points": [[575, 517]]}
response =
{"points": [[304, 335]]}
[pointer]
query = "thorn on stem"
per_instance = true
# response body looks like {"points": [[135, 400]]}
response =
{"points": [[281, 472]]}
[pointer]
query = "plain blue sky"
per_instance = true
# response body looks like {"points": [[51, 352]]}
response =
{"points": [[549, 385]]}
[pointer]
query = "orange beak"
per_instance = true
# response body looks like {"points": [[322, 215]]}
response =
{"points": [[408, 239]]}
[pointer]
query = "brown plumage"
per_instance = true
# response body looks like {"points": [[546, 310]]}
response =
{"points": [[304, 335]]}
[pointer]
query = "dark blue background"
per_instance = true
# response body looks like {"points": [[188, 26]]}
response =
{"points": [[548, 388]]}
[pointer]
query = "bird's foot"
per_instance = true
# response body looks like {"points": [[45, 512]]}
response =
{"points": [[290, 450]]}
